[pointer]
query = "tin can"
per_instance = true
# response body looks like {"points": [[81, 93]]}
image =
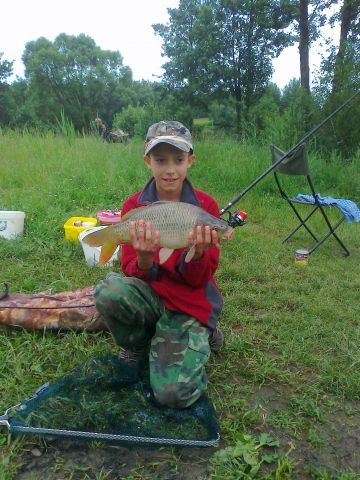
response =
{"points": [[301, 257]]}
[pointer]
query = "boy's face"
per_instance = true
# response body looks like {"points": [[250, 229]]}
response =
{"points": [[169, 166]]}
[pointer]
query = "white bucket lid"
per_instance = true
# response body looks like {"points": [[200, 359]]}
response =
{"points": [[7, 214]]}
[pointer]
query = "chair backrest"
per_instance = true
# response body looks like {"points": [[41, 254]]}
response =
{"points": [[295, 164]]}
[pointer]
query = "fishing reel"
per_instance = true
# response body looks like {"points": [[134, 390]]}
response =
{"points": [[237, 219]]}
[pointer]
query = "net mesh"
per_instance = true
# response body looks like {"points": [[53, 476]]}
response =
{"points": [[111, 400]]}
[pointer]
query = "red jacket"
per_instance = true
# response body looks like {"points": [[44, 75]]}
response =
{"points": [[183, 287]]}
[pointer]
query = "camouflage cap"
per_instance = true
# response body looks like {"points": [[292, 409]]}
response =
{"points": [[171, 132]]}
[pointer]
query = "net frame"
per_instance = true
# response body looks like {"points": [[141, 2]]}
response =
{"points": [[13, 420]]}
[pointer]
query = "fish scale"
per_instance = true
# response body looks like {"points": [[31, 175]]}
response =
{"points": [[173, 220]]}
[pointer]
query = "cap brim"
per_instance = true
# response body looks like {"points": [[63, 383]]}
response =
{"points": [[182, 145]]}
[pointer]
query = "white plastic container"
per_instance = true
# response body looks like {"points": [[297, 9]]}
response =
{"points": [[92, 254], [11, 224]]}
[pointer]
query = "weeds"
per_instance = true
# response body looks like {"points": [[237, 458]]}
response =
{"points": [[244, 459]]}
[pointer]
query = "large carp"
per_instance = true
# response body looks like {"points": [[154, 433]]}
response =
{"points": [[173, 220]]}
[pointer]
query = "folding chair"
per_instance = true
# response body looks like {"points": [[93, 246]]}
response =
{"points": [[297, 164]]}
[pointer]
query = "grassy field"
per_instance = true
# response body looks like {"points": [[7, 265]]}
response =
{"points": [[290, 367]]}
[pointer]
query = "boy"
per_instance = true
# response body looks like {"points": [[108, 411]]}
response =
{"points": [[173, 306]]}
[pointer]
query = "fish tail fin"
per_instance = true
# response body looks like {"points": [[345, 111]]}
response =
{"points": [[107, 252]]}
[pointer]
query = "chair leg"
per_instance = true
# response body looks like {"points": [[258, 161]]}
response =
{"points": [[302, 223], [332, 232]]}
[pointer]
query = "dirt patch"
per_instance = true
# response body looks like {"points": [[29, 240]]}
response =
{"points": [[330, 441], [338, 444], [67, 459]]}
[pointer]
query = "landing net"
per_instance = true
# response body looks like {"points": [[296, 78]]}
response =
{"points": [[108, 400]]}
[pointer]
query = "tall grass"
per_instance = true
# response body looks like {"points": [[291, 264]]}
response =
{"points": [[290, 327]]}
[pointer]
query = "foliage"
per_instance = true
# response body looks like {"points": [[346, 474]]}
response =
{"points": [[129, 118], [5, 72], [348, 77], [244, 459], [224, 116], [342, 135], [136, 120], [181, 38], [264, 120], [5, 69], [223, 46], [74, 75], [218, 67], [284, 120]]}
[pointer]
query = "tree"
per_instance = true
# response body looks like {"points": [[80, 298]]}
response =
{"points": [[182, 45], [349, 39], [73, 75], [5, 68], [5, 73], [250, 39], [309, 17], [219, 48], [339, 79], [304, 44]]}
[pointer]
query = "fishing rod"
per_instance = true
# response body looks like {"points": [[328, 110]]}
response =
{"points": [[238, 218]]}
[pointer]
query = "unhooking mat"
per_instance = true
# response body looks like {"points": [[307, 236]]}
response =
{"points": [[73, 309], [107, 399]]}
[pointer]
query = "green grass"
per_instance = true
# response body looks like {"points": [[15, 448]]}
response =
{"points": [[292, 333]]}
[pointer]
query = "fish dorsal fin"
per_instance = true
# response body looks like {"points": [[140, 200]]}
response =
{"points": [[130, 213]]}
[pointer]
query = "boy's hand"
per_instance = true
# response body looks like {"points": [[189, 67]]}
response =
{"points": [[204, 239], [144, 242]]}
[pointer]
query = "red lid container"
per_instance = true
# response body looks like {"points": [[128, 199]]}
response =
{"points": [[109, 217]]}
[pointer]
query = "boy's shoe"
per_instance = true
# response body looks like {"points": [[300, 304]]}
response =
{"points": [[132, 354], [216, 340]]}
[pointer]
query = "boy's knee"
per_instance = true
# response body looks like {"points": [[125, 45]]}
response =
{"points": [[178, 395], [109, 292]]}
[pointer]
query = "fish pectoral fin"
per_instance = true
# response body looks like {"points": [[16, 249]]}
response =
{"points": [[107, 252], [165, 254], [190, 254]]}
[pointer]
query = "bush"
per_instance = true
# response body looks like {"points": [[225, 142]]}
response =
{"points": [[136, 120], [223, 116]]}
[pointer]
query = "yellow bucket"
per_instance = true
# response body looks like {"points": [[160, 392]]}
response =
{"points": [[76, 225]]}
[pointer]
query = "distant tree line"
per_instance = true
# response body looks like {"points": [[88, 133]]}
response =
{"points": [[219, 64]]}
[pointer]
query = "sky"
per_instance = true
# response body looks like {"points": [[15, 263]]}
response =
{"points": [[117, 25]]}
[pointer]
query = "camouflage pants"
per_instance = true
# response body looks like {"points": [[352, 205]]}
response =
{"points": [[179, 344]]}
